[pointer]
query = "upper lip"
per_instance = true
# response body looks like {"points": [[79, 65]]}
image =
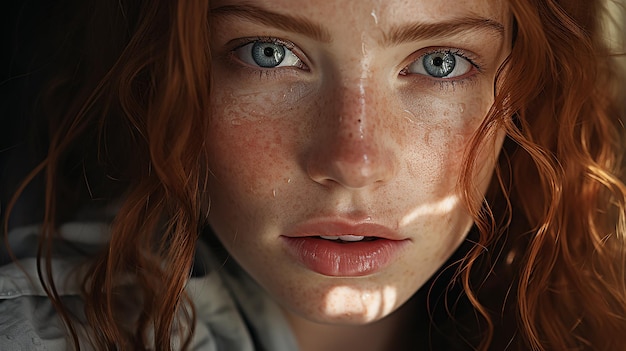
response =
{"points": [[339, 227]]}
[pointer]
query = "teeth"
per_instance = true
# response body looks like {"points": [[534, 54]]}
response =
{"points": [[351, 237], [344, 237]]}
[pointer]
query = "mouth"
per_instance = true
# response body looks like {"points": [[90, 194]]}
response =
{"points": [[343, 230], [340, 249]]}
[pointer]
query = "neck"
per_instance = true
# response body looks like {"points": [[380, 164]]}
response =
{"points": [[398, 331]]}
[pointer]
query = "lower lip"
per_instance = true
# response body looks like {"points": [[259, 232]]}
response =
{"points": [[337, 259]]}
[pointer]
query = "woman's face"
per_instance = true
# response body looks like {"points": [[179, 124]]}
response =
{"points": [[338, 133]]}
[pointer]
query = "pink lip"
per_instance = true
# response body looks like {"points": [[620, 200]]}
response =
{"points": [[333, 258]]}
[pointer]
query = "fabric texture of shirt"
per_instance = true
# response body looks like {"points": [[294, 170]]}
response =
{"points": [[232, 312]]}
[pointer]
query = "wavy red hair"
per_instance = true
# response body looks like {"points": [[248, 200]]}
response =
{"points": [[563, 171], [554, 219]]}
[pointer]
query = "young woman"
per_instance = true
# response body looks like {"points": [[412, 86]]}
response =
{"points": [[364, 175]]}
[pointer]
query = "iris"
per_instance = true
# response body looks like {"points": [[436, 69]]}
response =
{"points": [[268, 54], [439, 64]]}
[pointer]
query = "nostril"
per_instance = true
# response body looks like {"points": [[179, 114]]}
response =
{"points": [[352, 173]]}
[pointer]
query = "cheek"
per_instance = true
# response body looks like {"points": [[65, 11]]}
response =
{"points": [[239, 106], [249, 137], [245, 154], [437, 133]]}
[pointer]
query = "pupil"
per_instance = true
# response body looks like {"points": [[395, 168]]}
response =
{"points": [[438, 61], [268, 51]]}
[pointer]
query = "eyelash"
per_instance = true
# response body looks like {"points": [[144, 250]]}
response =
{"points": [[444, 83]]}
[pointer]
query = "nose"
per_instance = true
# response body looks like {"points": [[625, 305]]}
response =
{"points": [[352, 145]]}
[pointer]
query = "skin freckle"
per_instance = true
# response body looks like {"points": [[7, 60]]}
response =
{"points": [[356, 140], [314, 175]]}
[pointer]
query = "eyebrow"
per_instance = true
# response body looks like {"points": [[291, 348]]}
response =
{"points": [[421, 31], [397, 35], [294, 24]]}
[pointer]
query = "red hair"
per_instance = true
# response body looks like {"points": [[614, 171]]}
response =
{"points": [[557, 202], [557, 100]]}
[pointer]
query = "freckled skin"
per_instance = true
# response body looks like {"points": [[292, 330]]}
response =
{"points": [[350, 138]]}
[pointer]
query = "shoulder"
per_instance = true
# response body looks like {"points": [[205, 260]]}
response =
{"points": [[30, 323], [28, 319]]}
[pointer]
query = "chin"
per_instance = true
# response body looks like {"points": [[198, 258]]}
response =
{"points": [[349, 305]]}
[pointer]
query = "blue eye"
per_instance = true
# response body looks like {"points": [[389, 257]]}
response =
{"points": [[267, 54], [442, 64]]}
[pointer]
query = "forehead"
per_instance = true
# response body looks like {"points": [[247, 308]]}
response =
{"points": [[382, 13]]}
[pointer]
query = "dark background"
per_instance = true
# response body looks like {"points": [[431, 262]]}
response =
{"points": [[30, 41]]}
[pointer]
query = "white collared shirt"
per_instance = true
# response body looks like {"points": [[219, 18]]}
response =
{"points": [[233, 313]]}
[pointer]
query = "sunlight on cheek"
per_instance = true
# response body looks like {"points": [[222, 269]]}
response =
{"points": [[344, 301], [442, 207]]}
